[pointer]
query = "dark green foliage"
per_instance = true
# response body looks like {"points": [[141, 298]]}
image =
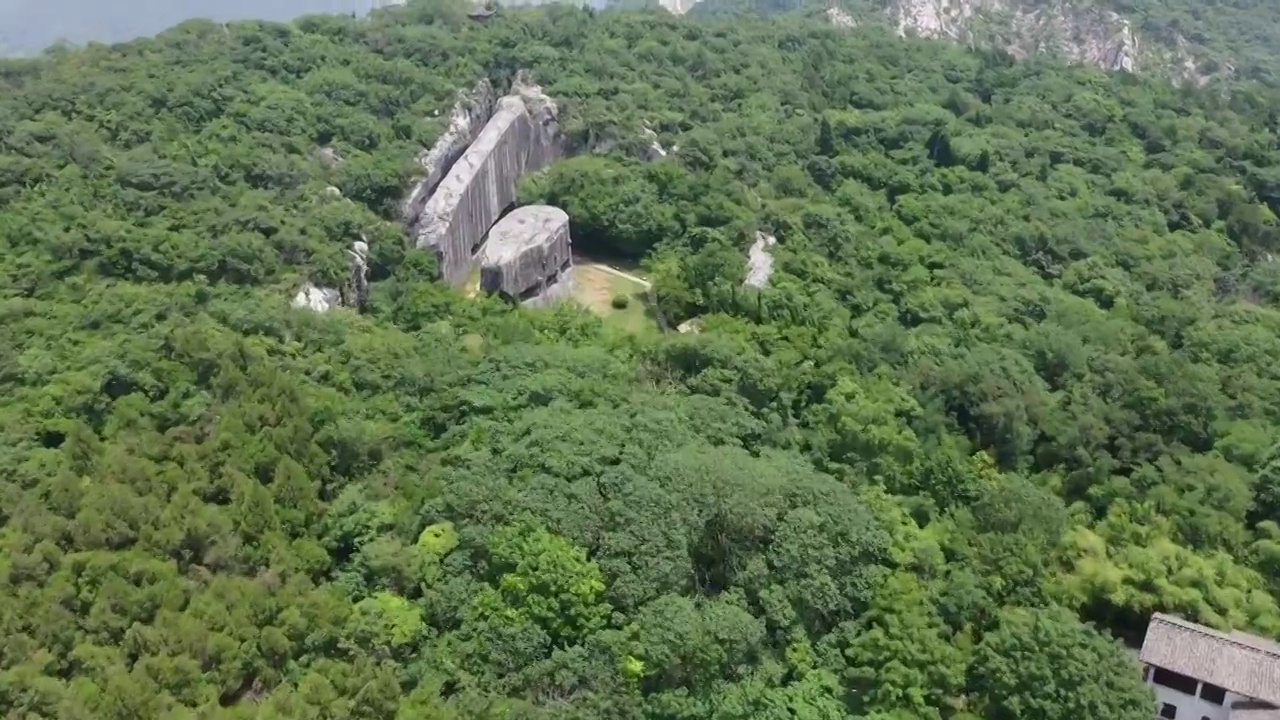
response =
{"points": [[1016, 365]]}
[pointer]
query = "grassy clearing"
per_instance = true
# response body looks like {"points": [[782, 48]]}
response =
{"points": [[595, 287]]}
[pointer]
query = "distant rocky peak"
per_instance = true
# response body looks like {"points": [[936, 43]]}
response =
{"points": [[1080, 33]]}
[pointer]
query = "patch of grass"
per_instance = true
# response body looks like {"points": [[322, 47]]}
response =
{"points": [[599, 291]]}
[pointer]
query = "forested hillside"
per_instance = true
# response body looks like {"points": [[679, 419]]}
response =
{"points": [[1012, 388]]}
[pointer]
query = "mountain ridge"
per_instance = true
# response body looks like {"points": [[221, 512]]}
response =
{"points": [[1189, 44]]}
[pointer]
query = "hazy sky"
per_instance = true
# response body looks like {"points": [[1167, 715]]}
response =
{"points": [[29, 26]]}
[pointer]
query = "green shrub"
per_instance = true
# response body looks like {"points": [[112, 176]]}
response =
{"points": [[620, 302]]}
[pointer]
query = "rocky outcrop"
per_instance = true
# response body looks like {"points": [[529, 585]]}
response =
{"points": [[677, 7], [357, 291], [1083, 35], [355, 294], [466, 120], [839, 17], [528, 257], [329, 156], [521, 137], [760, 261], [1076, 32], [316, 299], [654, 150], [691, 326]]}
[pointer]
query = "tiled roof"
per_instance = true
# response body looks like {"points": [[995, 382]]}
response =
{"points": [[1244, 664]]}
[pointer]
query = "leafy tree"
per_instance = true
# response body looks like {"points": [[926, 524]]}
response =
{"points": [[1044, 664]]}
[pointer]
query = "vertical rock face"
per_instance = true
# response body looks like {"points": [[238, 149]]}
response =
{"points": [[358, 284], [466, 120], [760, 261], [528, 256], [523, 136], [1079, 33]]}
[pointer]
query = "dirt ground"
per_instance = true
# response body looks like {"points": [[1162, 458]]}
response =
{"points": [[595, 287]]}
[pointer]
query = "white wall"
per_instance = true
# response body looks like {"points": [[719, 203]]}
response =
{"points": [[1192, 707]]}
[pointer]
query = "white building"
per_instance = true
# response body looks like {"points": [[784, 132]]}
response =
{"points": [[1199, 673]]}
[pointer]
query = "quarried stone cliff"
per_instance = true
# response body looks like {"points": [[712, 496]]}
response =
{"points": [[523, 136], [528, 256], [466, 120]]}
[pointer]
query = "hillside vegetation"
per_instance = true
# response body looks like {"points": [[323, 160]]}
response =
{"points": [[1012, 388]]}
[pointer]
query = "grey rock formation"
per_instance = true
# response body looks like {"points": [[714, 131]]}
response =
{"points": [[690, 326], [329, 156], [1079, 33], [357, 291], [466, 120], [523, 136], [760, 261], [654, 150], [528, 256], [333, 192], [355, 294], [548, 146], [839, 17], [316, 299]]}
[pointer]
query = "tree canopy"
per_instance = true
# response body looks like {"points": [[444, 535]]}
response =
{"points": [[1010, 388]]}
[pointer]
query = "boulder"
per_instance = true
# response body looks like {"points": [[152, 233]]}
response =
{"points": [[528, 256]]}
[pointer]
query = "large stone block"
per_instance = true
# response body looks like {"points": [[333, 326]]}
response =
{"points": [[528, 253], [523, 136]]}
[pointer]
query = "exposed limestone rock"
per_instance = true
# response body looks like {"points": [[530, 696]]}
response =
{"points": [[1080, 34], [760, 261], [528, 256], [354, 294], [316, 299], [329, 156], [654, 150], [838, 17], [466, 120], [333, 192], [523, 136], [677, 7], [547, 146], [690, 326]]}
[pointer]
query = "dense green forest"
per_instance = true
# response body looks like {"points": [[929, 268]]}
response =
{"points": [[1013, 387]]}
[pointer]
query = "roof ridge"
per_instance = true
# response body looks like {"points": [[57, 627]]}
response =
{"points": [[1218, 634]]}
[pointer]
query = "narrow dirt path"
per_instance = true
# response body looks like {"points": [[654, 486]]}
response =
{"points": [[622, 274]]}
